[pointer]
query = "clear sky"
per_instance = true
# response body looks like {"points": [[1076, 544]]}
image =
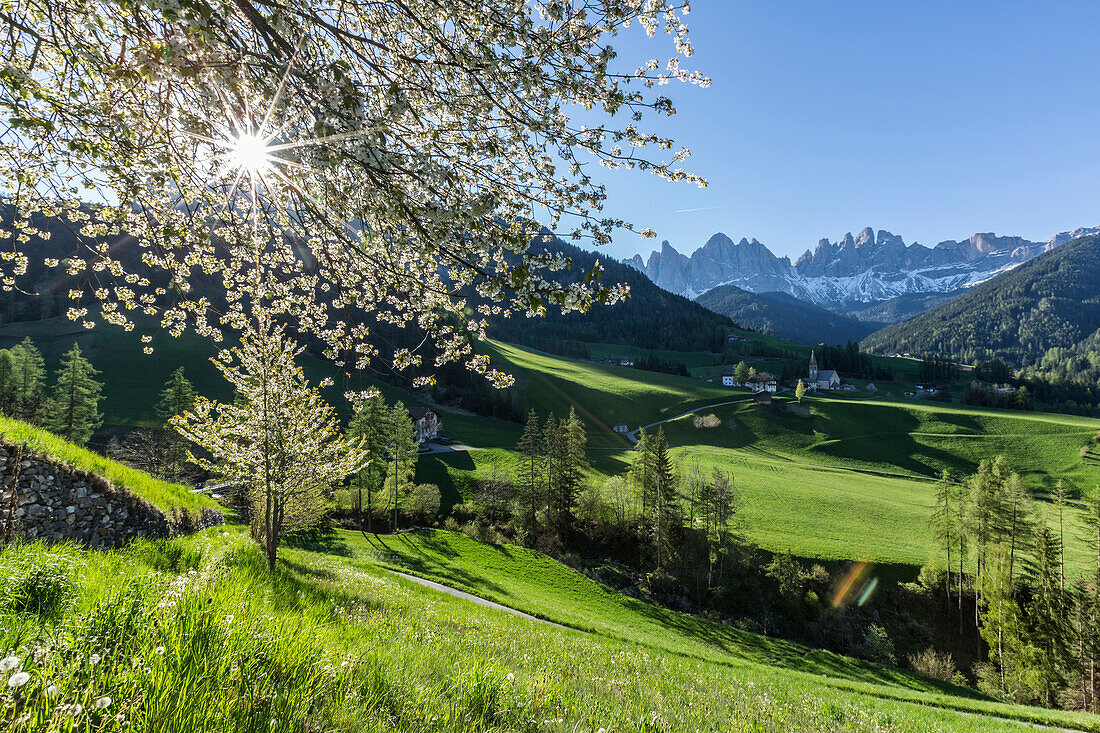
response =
{"points": [[933, 120]]}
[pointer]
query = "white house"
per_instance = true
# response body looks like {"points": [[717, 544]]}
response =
{"points": [[763, 382], [426, 423], [729, 380]]}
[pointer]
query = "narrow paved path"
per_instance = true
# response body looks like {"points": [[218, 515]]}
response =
{"points": [[476, 599], [632, 436]]}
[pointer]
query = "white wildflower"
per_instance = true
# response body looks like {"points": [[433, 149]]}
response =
{"points": [[18, 679], [7, 664], [102, 702]]}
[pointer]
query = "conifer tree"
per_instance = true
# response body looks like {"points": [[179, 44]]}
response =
{"points": [[73, 411], [573, 463], [177, 396], [800, 391], [1061, 496], [641, 472], [371, 426], [666, 514], [1017, 521], [1046, 616], [551, 440], [529, 473], [1001, 626], [403, 452], [29, 382], [7, 383], [944, 521]]}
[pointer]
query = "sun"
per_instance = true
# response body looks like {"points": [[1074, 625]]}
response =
{"points": [[250, 152]]}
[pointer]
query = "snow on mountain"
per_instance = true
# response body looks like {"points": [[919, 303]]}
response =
{"points": [[856, 270]]}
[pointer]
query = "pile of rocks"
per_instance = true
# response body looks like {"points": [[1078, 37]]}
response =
{"points": [[43, 499]]}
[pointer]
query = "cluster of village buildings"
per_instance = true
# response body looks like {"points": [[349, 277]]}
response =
{"points": [[815, 380]]}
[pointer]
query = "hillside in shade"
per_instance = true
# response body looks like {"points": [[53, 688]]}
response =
{"points": [[784, 316], [1051, 302]]}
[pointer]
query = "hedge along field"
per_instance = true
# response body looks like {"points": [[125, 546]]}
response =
{"points": [[194, 634]]}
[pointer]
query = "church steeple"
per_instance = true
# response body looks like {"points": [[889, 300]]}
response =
{"points": [[813, 366]]}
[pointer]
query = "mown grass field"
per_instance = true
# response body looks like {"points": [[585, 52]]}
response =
{"points": [[166, 496], [194, 634]]}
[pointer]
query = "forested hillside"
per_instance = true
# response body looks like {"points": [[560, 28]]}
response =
{"points": [[651, 318], [1051, 302], [784, 316]]}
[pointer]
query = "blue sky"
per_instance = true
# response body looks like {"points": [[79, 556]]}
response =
{"points": [[932, 120]]}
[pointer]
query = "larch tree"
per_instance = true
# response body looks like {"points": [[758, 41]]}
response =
{"points": [[800, 391], [944, 522], [666, 509], [377, 157], [73, 408], [403, 452], [573, 465], [29, 382], [528, 481], [278, 439], [7, 383], [372, 426]]}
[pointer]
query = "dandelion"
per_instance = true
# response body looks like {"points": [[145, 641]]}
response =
{"points": [[159, 651], [18, 679], [511, 677], [94, 659], [102, 702], [78, 709], [120, 718], [7, 664], [229, 618], [52, 691]]}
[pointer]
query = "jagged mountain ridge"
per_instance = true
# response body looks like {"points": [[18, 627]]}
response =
{"points": [[847, 274]]}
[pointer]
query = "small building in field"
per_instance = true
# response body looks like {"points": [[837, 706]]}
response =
{"points": [[763, 382], [624, 361], [762, 398], [729, 380], [425, 422], [871, 387], [621, 428]]}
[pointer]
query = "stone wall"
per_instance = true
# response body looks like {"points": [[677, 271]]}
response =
{"points": [[56, 502]]}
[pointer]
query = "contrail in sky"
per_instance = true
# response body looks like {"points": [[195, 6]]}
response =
{"points": [[702, 208]]}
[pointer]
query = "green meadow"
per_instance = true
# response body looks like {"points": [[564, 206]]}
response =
{"points": [[194, 634]]}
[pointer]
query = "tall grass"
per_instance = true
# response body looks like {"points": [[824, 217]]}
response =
{"points": [[194, 634], [167, 497]]}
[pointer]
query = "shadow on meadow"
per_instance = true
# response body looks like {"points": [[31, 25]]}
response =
{"points": [[429, 555]]}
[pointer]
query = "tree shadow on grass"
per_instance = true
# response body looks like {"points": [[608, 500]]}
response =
{"points": [[788, 655], [305, 586], [324, 539], [407, 551]]}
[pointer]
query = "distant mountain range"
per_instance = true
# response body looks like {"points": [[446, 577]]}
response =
{"points": [[851, 274]]}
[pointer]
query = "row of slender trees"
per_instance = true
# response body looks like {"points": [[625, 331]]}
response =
{"points": [[70, 408], [673, 512], [1040, 629]]}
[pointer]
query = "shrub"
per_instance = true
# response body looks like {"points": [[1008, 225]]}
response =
{"points": [[934, 664], [38, 579], [877, 645], [931, 576], [706, 422]]}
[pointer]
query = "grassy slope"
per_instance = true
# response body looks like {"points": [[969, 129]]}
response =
{"points": [[529, 581], [161, 494], [920, 438], [603, 395], [335, 643]]}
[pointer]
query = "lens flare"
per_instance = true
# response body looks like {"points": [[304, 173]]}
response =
{"points": [[857, 584]]}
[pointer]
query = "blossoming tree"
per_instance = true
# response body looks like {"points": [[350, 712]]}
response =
{"points": [[377, 161], [278, 439]]}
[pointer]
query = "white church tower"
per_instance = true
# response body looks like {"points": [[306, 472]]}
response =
{"points": [[813, 367]]}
